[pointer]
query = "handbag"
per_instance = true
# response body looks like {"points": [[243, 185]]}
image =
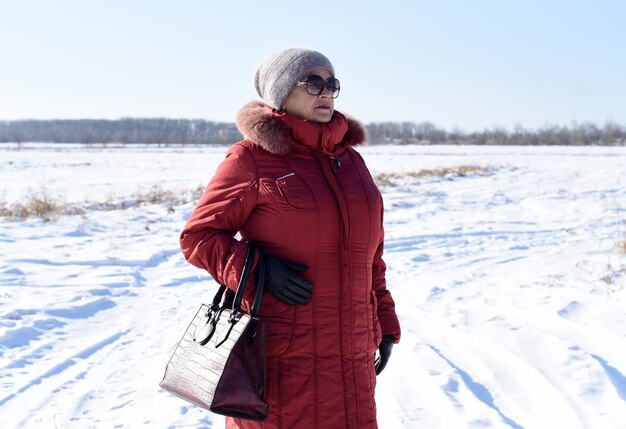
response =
{"points": [[219, 364]]}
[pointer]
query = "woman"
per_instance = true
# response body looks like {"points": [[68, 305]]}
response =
{"points": [[295, 187]]}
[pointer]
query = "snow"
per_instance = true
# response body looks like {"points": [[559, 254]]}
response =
{"points": [[509, 285]]}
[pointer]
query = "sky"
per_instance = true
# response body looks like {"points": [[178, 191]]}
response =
{"points": [[461, 65]]}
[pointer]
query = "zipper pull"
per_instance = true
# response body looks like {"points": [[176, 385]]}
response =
{"points": [[334, 161]]}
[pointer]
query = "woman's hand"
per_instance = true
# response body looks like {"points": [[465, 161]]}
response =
{"points": [[384, 352], [284, 283]]}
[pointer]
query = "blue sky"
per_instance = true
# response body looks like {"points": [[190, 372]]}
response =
{"points": [[458, 64]]}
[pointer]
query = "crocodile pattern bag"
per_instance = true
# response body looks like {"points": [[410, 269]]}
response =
{"points": [[219, 364]]}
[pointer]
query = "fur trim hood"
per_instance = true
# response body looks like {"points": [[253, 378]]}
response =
{"points": [[274, 130]]}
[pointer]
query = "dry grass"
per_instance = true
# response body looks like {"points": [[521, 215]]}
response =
{"points": [[614, 275], [158, 195], [41, 205], [155, 195], [38, 204], [391, 179]]}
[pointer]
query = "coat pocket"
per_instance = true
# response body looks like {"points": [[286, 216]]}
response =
{"points": [[295, 192], [376, 330], [280, 319]]}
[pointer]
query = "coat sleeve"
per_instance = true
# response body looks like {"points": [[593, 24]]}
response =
{"points": [[386, 310], [207, 240]]}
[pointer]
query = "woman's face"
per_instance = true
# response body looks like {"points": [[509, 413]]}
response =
{"points": [[317, 108]]}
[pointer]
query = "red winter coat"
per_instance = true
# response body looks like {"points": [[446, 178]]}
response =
{"points": [[299, 190]]}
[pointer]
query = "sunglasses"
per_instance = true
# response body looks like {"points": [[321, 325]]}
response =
{"points": [[315, 85]]}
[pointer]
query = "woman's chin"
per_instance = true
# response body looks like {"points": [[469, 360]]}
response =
{"points": [[322, 115]]}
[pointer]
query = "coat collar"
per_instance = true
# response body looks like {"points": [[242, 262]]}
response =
{"points": [[277, 132]]}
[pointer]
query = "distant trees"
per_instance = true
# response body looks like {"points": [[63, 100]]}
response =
{"points": [[426, 133], [166, 131], [127, 130]]}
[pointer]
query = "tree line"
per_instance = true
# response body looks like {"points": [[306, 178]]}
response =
{"points": [[166, 131], [585, 133], [161, 131]]}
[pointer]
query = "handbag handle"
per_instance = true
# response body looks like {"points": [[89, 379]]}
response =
{"points": [[245, 275], [236, 312], [260, 284], [217, 299]]}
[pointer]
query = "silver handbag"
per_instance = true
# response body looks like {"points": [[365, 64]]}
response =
{"points": [[219, 364]]}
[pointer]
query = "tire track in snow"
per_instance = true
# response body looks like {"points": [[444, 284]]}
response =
{"points": [[616, 377], [71, 361], [552, 355], [478, 390], [495, 375]]}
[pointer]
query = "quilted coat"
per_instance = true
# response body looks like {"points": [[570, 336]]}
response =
{"points": [[299, 190]]}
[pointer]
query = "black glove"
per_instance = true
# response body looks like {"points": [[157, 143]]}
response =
{"points": [[282, 281], [384, 352]]}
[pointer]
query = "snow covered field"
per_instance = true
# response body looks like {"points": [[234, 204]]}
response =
{"points": [[510, 287]]}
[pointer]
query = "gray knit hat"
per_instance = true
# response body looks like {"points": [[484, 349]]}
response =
{"points": [[279, 73]]}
